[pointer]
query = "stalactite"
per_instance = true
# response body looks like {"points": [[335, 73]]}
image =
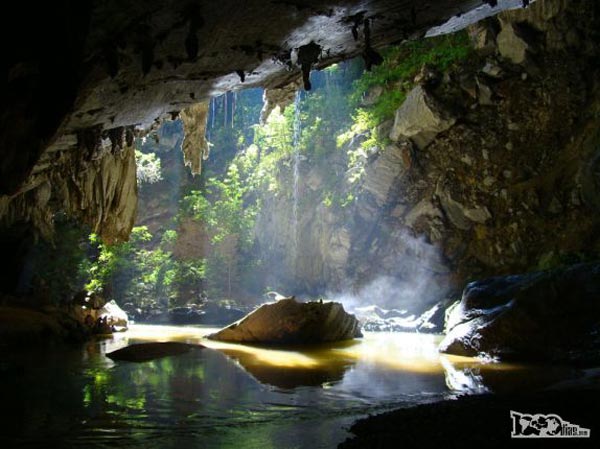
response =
{"points": [[370, 56], [307, 56], [195, 146]]}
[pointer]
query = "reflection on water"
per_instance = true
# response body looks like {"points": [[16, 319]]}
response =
{"points": [[232, 395]]}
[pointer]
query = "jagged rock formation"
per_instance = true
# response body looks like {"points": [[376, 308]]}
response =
{"points": [[84, 72], [290, 322], [90, 311], [420, 118], [374, 318], [105, 195], [553, 315], [100, 190], [195, 145], [279, 96]]}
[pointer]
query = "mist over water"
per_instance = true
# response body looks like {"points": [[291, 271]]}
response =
{"points": [[414, 285]]}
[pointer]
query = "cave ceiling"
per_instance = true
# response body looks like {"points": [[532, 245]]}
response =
{"points": [[77, 70], [81, 80]]}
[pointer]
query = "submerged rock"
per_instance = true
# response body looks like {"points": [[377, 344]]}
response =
{"points": [[144, 352], [551, 315], [290, 322]]}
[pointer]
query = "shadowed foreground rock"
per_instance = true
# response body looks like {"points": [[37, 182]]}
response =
{"points": [[21, 325], [144, 352], [477, 421], [290, 322], [551, 315]]}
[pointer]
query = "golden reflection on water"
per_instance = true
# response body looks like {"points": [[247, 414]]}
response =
{"points": [[404, 353], [227, 393]]}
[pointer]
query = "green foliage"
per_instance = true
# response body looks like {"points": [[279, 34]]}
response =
{"points": [[250, 164], [338, 199], [400, 66], [59, 267], [324, 112], [134, 272], [394, 77], [147, 167], [221, 207], [230, 126]]}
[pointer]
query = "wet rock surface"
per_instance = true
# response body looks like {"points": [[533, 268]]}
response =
{"points": [[114, 315], [552, 315], [290, 322], [144, 352]]}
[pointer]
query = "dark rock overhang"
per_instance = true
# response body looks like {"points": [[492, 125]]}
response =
{"points": [[83, 78]]}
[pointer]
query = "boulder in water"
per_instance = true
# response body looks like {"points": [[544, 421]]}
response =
{"points": [[114, 316], [551, 315], [144, 352], [291, 322]]}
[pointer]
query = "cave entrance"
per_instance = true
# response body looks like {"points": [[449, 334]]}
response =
{"points": [[299, 194]]}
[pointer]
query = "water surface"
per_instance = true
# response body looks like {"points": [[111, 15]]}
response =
{"points": [[232, 396]]}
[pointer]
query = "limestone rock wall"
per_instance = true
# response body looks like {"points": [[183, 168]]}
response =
{"points": [[101, 193], [104, 194], [492, 169]]}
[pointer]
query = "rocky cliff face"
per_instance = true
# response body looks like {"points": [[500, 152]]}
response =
{"points": [[491, 168], [82, 75], [98, 188]]}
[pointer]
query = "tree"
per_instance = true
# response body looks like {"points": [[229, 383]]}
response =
{"points": [[229, 221]]}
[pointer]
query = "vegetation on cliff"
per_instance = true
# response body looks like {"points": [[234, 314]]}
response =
{"points": [[250, 163]]}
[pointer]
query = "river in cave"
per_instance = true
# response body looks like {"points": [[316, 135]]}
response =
{"points": [[227, 394]]}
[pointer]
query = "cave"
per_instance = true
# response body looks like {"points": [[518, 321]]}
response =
{"points": [[300, 223]]}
